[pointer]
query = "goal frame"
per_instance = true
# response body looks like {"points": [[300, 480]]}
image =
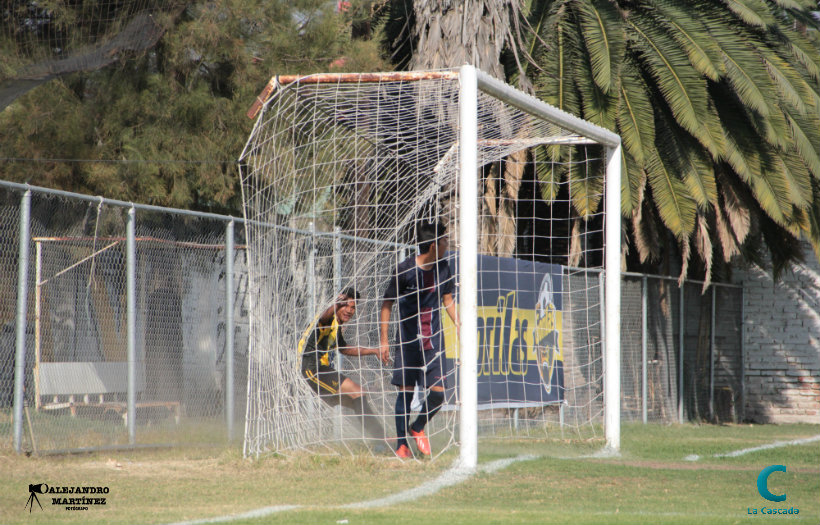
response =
{"points": [[471, 82]]}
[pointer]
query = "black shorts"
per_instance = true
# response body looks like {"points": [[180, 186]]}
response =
{"points": [[414, 366], [324, 380]]}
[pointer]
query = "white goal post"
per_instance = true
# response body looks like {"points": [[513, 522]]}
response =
{"points": [[473, 80], [377, 153]]}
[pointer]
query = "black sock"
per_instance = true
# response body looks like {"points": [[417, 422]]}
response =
{"points": [[403, 401], [431, 405]]}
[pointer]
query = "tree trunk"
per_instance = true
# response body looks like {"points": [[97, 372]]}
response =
{"points": [[452, 33]]}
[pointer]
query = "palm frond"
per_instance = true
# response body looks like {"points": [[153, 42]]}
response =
{"points": [[728, 243], [798, 178], [597, 107], [550, 171], [691, 33], [635, 117], [704, 248], [685, 255], [737, 205], [783, 247], [599, 23], [586, 185], [752, 12], [792, 88], [771, 190], [806, 139], [680, 154], [645, 235], [632, 178], [746, 73], [807, 55], [793, 4], [681, 86], [675, 206], [557, 48]]}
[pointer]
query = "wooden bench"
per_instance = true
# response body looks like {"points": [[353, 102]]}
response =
{"points": [[95, 385]]}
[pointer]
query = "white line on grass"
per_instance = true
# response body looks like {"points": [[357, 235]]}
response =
{"points": [[453, 476], [768, 446], [256, 513]]}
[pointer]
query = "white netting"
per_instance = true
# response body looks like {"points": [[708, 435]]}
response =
{"points": [[336, 175]]}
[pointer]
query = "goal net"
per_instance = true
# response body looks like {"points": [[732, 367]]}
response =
{"points": [[337, 175]]}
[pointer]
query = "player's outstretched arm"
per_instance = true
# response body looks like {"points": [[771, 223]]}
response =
{"points": [[364, 351], [384, 329], [450, 306]]}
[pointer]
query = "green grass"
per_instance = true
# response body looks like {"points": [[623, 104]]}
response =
{"points": [[650, 483]]}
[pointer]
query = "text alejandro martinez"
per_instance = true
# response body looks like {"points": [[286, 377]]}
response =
{"points": [[79, 496]]}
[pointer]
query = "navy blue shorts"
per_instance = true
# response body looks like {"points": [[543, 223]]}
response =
{"points": [[412, 367]]}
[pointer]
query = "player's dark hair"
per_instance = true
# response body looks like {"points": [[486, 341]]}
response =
{"points": [[427, 233], [349, 293]]}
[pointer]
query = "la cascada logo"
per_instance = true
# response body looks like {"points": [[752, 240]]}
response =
{"points": [[766, 493], [69, 497]]}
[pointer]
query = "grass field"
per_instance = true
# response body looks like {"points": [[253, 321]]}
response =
{"points": [[562, 482]]}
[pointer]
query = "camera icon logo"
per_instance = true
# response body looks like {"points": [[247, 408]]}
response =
{"points": [[33, 490]]}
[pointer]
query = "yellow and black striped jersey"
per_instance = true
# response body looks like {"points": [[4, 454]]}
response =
{"points": [[319, 343]]}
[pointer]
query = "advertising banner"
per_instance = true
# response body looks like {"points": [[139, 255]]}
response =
{"points": [[520, 313]]}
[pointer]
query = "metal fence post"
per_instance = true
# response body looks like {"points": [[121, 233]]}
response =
{"points": [[229, 328], [742, 416], [712, 359], [644, 337], [131, 298], [22, 308], [682, 328]]}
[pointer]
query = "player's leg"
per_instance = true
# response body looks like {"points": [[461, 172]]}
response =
{"points": [[434, 381], [405, 375]]}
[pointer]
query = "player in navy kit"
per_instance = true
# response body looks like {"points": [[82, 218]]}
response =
{"points": [[420, 284]]}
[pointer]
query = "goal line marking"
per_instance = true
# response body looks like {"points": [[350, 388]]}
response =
{"points": [[452, 476], [768, 446]]}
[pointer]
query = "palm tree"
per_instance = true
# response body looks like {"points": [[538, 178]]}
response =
{"points": [[444, 34], [716, 102], [717, 105]]}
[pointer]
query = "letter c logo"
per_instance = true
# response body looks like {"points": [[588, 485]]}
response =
{"points": [[763, 482]]}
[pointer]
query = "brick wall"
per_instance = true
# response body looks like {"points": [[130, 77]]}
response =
{"points": [[782, 343]]}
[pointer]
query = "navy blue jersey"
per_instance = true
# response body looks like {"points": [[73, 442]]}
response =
{"points": [[419, 294]]}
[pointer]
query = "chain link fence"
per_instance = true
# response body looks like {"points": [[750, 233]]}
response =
{"points": [[682, 355], [106, 280], [682, 351]]}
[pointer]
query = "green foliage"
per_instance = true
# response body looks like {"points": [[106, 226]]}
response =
{"points": [[166, 127], [694, 88]]}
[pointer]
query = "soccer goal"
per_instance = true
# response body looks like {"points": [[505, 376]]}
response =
{"points": [[338, 173]]}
